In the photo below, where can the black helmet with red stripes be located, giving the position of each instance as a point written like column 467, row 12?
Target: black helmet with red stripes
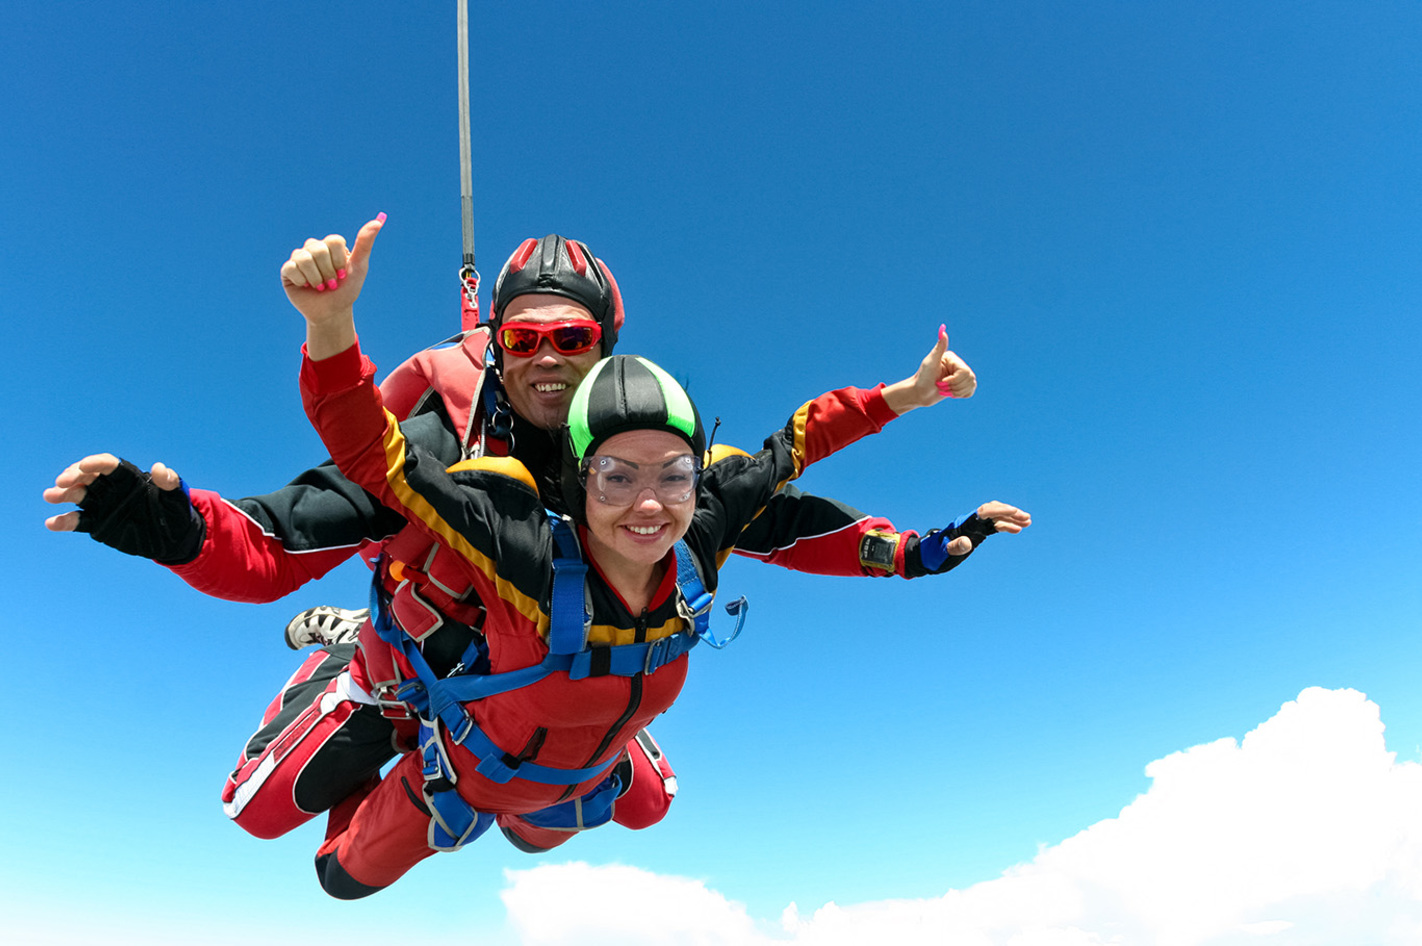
column 560, row 267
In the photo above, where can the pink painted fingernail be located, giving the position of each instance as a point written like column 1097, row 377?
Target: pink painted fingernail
column 319, row 288
column 380, row 216
column 330, row 284
column 945, row 388
column 340, row 274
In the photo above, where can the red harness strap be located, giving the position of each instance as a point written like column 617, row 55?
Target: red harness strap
column 426, row 585
column 454, row 374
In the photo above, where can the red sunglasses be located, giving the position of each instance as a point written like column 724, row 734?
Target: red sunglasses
column 573, row 337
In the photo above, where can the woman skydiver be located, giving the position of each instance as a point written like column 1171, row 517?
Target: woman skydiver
column 526, row 740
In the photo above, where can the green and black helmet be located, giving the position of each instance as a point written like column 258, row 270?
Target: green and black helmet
column 623, row 393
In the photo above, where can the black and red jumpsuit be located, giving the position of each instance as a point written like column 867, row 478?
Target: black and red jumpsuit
column 495, row 523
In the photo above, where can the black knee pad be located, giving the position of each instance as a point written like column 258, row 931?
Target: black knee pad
column 336, row 882
column 521, row 844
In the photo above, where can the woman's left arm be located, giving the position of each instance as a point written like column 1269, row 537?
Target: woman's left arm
column 738, row 487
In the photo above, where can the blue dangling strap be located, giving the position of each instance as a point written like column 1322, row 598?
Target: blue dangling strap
column 696, row 601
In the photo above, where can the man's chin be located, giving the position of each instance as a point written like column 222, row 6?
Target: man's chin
column 548, row 412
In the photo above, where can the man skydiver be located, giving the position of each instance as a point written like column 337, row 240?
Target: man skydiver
column 326, row 736
column 590, row 617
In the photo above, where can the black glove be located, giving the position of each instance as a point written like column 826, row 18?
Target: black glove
column 127, row 511
column 929, row 555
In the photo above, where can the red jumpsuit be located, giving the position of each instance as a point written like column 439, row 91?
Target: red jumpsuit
column 326, row 734
column 495, row 523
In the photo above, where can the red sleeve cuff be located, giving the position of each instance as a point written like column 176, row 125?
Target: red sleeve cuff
column 877, row 409
column 203, row 501
column 340, row 372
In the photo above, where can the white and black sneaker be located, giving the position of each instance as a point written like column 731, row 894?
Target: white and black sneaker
column 325, row 625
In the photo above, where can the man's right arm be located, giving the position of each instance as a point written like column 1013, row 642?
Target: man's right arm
column 255, row 549
column 261, row 548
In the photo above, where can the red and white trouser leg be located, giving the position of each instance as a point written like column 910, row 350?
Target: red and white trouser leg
column 321, row 739
column 376, row 835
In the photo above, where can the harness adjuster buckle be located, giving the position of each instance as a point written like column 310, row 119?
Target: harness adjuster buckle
column 659, row 654
column 701, row 605
column 388, row 701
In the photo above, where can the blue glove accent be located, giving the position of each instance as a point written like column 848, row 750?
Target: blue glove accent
column 933, row 548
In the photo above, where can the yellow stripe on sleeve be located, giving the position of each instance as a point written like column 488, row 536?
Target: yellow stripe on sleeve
column 416, row 506
column 800, row 420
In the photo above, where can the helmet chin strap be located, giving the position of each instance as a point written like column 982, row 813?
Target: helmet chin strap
column 496, row 403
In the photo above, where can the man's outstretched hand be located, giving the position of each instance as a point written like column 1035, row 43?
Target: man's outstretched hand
column 958, row 540
column 144, row 514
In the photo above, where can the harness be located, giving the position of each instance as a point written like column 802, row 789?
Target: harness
column 440, row 702
column 498, row 417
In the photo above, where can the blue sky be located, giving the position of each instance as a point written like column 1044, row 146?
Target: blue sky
column 1178, row 242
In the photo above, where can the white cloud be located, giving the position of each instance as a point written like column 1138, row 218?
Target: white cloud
column 630, row 906
column 1306, row 832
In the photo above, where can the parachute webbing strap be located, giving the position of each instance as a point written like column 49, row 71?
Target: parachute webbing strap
column 568, row 618
column 628, row 660
column 494, row 762
column 453, row 821
column 624, row 660
column 432, row 697
column 694, row 601
column 416, row 692
column 498, row 419
column 589, row 810
column 435, row 699
column 737, row 609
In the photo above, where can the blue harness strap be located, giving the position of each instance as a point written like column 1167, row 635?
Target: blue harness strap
column 694, row 601
column 568, row 617
column 441, row 702
column 453, row 821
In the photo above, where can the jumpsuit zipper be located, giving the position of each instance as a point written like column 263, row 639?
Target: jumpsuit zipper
column 634, row 701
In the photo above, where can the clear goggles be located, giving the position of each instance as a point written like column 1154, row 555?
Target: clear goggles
column 616, row 482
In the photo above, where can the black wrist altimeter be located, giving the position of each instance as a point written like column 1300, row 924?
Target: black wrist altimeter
column 878, row 549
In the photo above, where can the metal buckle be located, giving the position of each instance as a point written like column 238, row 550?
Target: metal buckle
column 390, row 706
column 650, row 664
column 659, row 653
column 686, row 610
